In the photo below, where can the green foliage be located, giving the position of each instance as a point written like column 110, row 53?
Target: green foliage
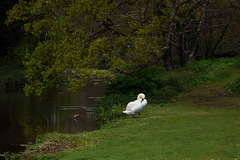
column 17, row 53
column 42, row 77
column 110, row 107
column 160, row 86
column 11, row 75
column 11, row 156
column 233, row 86
column 208, row 70
column 130, row 85
column 76, row 37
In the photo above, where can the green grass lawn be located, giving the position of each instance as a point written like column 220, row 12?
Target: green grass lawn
column 200, row 124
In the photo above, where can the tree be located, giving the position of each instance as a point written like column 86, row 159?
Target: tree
column 197, row 29
column 216, row 19
column 76, row 37
column 226, row 31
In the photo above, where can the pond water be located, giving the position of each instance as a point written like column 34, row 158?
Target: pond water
column 22, row 118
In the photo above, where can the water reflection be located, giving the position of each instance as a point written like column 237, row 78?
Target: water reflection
column 22, row 118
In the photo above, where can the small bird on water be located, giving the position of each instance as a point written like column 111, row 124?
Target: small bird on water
column 136, row 106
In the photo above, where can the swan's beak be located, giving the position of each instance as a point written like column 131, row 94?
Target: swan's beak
column 142, row 100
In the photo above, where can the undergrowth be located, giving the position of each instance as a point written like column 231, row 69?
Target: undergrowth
column 11, row 76
column 233, row 86
column 158, row 85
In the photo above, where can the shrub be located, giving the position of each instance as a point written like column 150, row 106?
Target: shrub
column 143, row 81
column 11, row 75
column 111, row 106
column 11, row 156
column 233, row 86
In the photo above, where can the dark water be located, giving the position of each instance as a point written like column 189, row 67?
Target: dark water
column 22, row 118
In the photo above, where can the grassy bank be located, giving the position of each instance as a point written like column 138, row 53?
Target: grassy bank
column 201, row 123
column 11, row 76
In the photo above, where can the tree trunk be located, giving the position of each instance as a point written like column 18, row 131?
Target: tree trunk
column 168, row 60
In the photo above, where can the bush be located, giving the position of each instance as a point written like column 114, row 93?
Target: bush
column 11, row 76
column 233, row 86
column 111, row 106
column 11, row 156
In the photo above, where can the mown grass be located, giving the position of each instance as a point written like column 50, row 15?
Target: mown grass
column 202, row 123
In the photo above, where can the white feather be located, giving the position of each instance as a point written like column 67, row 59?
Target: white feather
column 136, row 106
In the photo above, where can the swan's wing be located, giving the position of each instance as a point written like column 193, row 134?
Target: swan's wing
column 144, row 102
column 132, row 105
column 140, row 106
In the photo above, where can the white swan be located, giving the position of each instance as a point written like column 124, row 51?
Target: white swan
column 136, row 106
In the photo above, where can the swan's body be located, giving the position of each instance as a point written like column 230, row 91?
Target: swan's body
column 136, row 106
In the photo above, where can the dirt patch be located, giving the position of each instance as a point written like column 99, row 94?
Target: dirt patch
column 45, row 148
column 210, row 96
